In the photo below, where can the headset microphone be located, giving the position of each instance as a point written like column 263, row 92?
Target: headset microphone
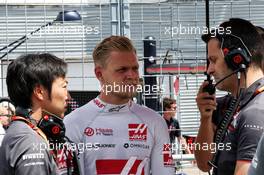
column 210, row 88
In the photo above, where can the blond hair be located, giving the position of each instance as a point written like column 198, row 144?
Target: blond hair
column 113, row 43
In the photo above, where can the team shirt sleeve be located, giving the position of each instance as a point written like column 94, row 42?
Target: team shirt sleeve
column 30, row 156
column 250, row 128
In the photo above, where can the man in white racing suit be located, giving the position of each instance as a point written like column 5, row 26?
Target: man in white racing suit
column 114, row 135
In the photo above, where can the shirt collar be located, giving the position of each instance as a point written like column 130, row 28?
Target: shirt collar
column 111, row 108
column 249, row 93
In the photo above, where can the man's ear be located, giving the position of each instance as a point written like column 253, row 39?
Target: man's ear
column 39, row 92
column 98, row 73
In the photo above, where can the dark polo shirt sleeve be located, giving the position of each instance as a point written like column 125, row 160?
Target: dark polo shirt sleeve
column 250, row 128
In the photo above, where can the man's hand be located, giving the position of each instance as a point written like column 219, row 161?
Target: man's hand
column 206, row 103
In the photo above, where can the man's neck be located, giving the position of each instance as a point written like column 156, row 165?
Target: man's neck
column 166, row 116
column 36, row 114
column 253, row 74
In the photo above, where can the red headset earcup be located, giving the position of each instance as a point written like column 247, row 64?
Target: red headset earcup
column 235, row 58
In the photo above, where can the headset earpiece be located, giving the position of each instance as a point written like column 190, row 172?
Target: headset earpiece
column 235, row 58
column 53, row 127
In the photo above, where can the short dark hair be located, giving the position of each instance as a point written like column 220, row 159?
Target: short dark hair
column 167, row 102
column 248, row 34
column 28, row 71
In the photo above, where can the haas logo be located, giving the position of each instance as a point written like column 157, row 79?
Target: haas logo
column 137, row 132
column 89, row 131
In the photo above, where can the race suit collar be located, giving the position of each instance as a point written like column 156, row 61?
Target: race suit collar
column 110, row 108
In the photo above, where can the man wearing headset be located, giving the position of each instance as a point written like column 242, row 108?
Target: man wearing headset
column 35, row 83
column 236, row 62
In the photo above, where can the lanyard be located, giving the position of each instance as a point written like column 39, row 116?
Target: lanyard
column 258, row 91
